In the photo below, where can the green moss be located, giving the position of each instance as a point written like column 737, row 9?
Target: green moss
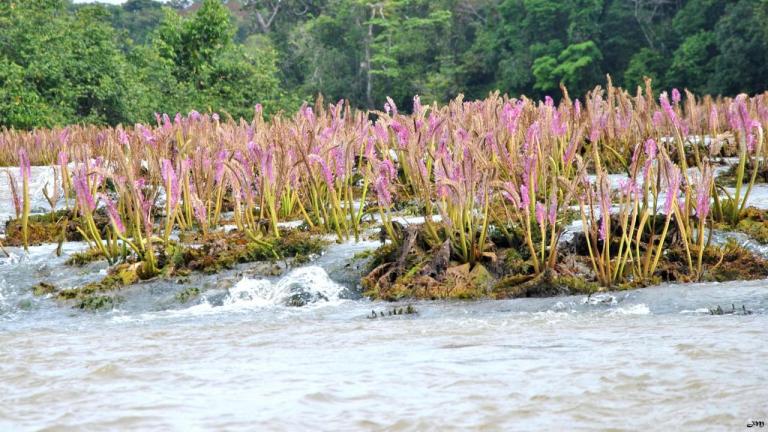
column 187, row 294
column 43, row 288
column 754, row 223
column 120, row 276
column 97, row 302
column 231, row 249
column 514, row 262
column 577, row 284
column 363, row 255
column 546, row 284
column 80, row 259
column 384, row 254
column 50, row 228
column 719, row 264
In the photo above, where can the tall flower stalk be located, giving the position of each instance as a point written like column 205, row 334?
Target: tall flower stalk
column 25, row 169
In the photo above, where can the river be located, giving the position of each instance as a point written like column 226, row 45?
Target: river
column 238, row 358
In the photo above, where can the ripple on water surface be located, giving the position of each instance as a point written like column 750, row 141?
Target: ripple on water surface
column 649, row 359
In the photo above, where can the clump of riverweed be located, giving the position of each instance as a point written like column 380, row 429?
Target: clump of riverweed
column 79, row 259
column 49, row 228
column 412, row 270
column 118, row 277
column 43, row 288
column 496, row 182
column 96, row 302
column 224, row 251
column 754, row 223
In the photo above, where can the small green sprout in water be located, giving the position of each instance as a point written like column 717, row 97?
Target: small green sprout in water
column 408, row 310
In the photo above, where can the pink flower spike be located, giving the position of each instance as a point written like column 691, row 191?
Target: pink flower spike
column 63, row 159
column 83, row 191
column 169, row 177
column 541, row 213
column 327, row 174
column 122, row 137
column 525, row 200
column 703, row 195
column 24, row 165
column 219, row 166
column 604, row 226
column 552, row 211
column 390, row 106
column 650, row 148
column 676, row 96
column 114, row 215
column 510, row 193
column 417, row 105
column 658, row 119
column 673, row 189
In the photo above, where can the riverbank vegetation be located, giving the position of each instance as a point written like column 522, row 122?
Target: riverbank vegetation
column 516, row 197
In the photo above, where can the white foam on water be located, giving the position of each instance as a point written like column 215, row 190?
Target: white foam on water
column 600, row 299
column 638, row 309
column 695, row 311
column 312, row 283
column 3, row 301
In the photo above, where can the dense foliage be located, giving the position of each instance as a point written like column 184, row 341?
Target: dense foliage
column 71, row 63
column 484, row 175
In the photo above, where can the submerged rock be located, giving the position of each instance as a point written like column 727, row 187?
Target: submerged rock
column 719, row 310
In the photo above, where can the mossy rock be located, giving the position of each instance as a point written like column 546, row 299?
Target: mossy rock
column 459, row 282
column 120, row 276
column 547, row 284
column 383, row 254
column 187, row 294
column 79, row 259
column 733, row 262
column 224, row 251
column 43, row 288
column 98, row 302
column 754, row 223
column 719, row 264
column 50, row 228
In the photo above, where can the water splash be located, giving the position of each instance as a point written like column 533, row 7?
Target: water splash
column 300, row 287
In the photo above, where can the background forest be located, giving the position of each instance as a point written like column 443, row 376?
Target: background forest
column 63, row 63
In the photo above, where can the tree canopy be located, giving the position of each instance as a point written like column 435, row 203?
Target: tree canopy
column 71, row 63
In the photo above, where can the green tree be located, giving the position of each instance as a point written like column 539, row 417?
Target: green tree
column 577, row 66
column 691, row 63
column 20, row 105
column 69, row 62
column 742, row 61
column 210, row 69
column 645, row 63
